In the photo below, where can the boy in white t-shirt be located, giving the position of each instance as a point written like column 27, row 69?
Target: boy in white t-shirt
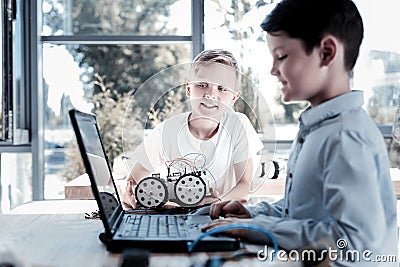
column 214, row 138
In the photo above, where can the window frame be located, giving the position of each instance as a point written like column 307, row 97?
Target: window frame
column 15, row 106
column 8, row 13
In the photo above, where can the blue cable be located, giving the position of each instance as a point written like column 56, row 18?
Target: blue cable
column 224, row 228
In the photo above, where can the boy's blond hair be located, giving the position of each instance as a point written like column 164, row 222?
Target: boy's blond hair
column 219, row 56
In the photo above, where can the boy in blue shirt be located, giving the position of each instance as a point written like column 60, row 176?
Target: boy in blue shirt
column 338, row 183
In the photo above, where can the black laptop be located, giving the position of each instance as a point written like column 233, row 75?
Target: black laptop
column 122, row 229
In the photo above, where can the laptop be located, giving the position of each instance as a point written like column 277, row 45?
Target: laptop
column 125, row 229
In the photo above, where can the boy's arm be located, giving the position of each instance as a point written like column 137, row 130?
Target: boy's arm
column 247, row 144
column 138, row 173
column 270, row 209
column 244, row 172
column 358, row 202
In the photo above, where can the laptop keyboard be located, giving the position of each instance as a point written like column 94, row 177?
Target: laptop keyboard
column 154, row 226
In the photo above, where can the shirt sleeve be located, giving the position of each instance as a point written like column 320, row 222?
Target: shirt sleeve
column 265, row 208
column 149, row 153
column 247, row 142
column 350, row 165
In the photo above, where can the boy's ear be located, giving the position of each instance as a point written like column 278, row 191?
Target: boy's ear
column 235, row 97
column 187, row 89
column 329, row 46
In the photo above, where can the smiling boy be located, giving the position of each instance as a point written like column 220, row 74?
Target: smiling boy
column 338, row 184
column 217, row 140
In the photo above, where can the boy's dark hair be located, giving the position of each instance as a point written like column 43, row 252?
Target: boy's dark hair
column 309, row 20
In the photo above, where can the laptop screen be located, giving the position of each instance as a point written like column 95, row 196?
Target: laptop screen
column 96, row 164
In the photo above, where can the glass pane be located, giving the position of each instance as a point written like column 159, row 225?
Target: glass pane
column 377, row 71
column 145, row 17
column 16, row 180
column 236, row 24
column 97, row 79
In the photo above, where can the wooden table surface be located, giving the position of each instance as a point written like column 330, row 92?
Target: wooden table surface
column 68, row 239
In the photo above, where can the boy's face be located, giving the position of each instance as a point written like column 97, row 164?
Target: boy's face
column 212, row 89
column 301, row 75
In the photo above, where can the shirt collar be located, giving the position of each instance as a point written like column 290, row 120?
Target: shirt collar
column 331, row 108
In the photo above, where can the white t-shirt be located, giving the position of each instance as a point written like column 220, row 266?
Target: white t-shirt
column 235, row 141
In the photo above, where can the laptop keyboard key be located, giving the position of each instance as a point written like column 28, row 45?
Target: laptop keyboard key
column 155, row 226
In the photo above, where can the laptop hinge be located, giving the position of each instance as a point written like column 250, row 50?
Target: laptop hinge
column 117, row 222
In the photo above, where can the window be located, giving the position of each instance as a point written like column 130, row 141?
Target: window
column 85, row 48
column 377, row 73
column 235, row 25
column 107, row 49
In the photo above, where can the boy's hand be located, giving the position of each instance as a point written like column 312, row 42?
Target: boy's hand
column 129, row 195
column 214, row 193
column 229, row 209
column 236, row 232
column 208, row 200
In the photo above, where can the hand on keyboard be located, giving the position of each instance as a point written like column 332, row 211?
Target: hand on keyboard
column 236, row 232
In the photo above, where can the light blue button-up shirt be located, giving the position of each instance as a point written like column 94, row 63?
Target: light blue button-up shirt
column 338, row 183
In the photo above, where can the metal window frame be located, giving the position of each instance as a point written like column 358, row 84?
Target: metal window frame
column 34, row 63
column 15, row 93
column 8, row 10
